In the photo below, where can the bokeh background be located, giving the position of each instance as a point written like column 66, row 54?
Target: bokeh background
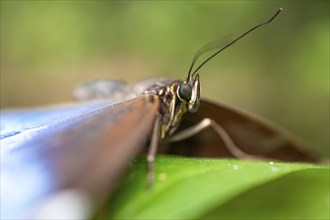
column 280, row 72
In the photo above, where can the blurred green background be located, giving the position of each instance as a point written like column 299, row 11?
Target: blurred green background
column 280, row 72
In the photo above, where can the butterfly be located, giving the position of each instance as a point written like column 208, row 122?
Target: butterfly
column 62, row 157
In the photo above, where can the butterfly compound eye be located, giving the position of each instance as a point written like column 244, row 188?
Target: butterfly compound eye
column 184, row 92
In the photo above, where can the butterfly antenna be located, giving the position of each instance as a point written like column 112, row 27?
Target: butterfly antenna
column 231, row 43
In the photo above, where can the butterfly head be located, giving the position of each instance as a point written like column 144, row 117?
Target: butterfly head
column 177, row 98
column 189, row 92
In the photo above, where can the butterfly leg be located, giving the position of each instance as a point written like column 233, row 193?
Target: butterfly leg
column 152, row 152
column 206, row 123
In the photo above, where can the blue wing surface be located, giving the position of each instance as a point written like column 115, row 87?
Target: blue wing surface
column 17, row 126
column 82, row 146
column 14, row 121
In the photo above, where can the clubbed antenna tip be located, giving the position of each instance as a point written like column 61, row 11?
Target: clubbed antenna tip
column 191, row 74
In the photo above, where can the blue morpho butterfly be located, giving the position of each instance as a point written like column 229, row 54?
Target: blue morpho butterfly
column 65, row 160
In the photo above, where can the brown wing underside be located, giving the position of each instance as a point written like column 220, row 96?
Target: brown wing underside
column 252, row 135
column 115, row 145
column 87, row 153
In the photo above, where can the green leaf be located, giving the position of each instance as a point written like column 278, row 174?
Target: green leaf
column 189, row 188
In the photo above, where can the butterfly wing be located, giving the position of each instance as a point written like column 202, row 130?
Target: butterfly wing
column 84, row 147
column 251, row 134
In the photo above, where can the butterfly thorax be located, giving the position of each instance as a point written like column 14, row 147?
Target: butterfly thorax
column 171, row 108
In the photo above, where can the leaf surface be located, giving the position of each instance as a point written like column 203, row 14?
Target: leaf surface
column 194, row 188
